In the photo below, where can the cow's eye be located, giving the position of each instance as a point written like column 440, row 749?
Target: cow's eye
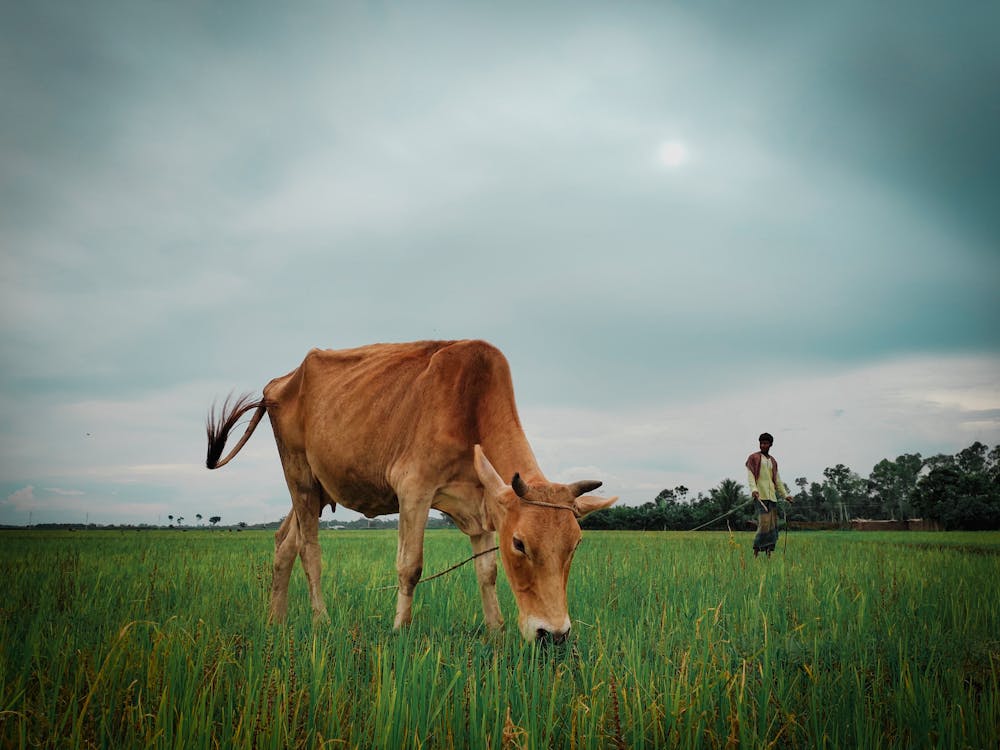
column 519, row 546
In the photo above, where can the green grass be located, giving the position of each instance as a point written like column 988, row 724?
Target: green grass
column 158, row 639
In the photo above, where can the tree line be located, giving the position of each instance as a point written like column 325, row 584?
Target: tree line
column 960, row 492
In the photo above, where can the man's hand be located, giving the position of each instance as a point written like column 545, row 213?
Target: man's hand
column 790, row 499
column 756, row 495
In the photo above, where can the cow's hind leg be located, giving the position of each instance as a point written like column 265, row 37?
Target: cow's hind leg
column 282, row 533
column 307, row 503
column 286, row 547
column 486, row 572
column 414, row 508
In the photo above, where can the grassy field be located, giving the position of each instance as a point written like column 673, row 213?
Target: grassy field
column 843, row 639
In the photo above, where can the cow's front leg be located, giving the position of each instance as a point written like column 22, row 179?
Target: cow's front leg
column 486, row 572
column 409, row 553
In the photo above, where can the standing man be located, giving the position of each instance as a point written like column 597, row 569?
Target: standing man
column 765, row 487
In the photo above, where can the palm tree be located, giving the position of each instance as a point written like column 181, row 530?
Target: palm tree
column 728, row 495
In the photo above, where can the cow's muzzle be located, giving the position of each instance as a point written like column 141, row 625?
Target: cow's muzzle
column 545, row 637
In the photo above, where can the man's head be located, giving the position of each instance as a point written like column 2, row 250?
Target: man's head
column 766, row 441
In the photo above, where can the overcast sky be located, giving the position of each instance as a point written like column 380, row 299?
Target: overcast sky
column 684, row 223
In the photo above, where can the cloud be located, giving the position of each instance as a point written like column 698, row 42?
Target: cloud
column 523, row 180
column 22, row 499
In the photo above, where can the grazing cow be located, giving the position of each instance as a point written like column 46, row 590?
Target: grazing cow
column 403, row 428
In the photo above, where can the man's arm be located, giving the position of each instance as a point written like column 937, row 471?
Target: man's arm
column 780, row 488
column 752, row 483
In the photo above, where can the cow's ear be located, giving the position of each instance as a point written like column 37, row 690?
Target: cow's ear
column 587, row 504
column 487, row 474
column 494, row 489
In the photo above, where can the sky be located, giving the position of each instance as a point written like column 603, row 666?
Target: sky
column 684, row 223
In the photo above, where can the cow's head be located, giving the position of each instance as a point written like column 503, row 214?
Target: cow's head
column 537, row 532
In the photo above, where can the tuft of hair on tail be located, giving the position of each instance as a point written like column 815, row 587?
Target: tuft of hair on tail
column 218, row 427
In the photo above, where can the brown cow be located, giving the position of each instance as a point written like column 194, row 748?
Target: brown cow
column 403, row 428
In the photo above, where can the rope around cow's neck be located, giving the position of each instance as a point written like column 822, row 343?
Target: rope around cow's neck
column 551, row 505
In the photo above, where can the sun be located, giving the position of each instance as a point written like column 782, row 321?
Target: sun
column 673, row 154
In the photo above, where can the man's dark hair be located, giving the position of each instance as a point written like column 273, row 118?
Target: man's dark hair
column 766, row 436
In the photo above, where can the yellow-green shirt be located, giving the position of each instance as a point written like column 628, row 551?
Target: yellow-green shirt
column 767, row 487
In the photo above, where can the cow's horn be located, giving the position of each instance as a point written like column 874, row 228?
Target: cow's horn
column 520, row 488
column 586, row 485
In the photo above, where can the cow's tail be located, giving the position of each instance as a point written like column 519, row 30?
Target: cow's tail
column 218, row 427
